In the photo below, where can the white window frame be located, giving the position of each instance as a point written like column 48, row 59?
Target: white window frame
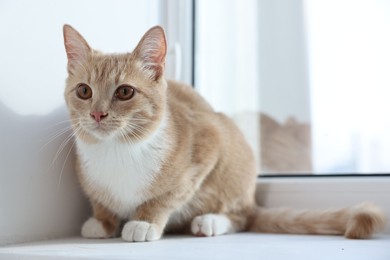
column 177, row 18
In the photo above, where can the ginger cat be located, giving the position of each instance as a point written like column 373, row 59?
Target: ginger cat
column 154, row 157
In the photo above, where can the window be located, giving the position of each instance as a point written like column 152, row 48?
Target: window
column 309, row 92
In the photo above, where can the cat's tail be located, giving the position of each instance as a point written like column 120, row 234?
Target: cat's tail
column 360, row 221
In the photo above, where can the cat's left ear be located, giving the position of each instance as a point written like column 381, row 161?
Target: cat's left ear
column 151, row 51
column 77, row 48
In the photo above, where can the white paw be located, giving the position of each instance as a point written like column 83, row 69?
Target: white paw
column 211, row 225
column 140, row 231
column 93, row 228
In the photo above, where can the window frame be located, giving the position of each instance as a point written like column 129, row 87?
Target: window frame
column 177, row 17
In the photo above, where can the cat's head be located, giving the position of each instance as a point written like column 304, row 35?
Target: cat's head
column 119, row 96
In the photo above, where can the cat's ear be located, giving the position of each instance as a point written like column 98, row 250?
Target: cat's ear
column 77, row 48
column 151, row 51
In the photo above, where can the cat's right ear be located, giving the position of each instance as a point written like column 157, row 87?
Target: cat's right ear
column 77, row 48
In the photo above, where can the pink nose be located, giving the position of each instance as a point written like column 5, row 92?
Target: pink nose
column 98, row 116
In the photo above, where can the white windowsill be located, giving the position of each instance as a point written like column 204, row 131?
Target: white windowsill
column 237, row 246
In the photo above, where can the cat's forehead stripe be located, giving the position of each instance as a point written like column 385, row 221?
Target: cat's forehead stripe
column 109, row 68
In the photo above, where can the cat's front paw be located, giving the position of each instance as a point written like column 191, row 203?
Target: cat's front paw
column 140, row 231
column 211, row 225
column 93, row 228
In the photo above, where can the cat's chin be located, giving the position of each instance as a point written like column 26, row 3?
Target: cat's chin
column 102, row 134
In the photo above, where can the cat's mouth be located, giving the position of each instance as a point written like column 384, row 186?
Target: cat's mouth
column 108, row 129
column 101, row 130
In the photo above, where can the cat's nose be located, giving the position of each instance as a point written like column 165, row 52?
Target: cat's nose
column 98, row 116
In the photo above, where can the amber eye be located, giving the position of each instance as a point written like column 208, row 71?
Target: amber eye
column 124, row 92
column 84, row 91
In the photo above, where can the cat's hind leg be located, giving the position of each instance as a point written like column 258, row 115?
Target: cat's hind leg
column 212, row 225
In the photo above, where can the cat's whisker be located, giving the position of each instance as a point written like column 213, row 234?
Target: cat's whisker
column 58, row 124
column 135, row 136
column 132, row 120
column 54, row 137
column 67, row 121
column 140, row 129
column 132, row 129
column 59, row 131
column 53, row 134
column 62, row 147
column 67, row 155
column 68, row 126
column 140, row 120
column 131, row 124
column 126, row 137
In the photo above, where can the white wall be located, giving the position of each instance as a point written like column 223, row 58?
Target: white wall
column 31, row 47
column 39, row 200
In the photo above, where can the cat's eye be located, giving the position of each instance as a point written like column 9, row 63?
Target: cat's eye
column 84, row 91
column 124, row 92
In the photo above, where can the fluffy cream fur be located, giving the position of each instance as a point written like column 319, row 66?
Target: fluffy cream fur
column 163, row 160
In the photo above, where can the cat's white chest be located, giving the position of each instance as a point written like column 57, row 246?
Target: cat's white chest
column 121, row 170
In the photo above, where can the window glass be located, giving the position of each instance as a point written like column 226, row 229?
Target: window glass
column 306, row 81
